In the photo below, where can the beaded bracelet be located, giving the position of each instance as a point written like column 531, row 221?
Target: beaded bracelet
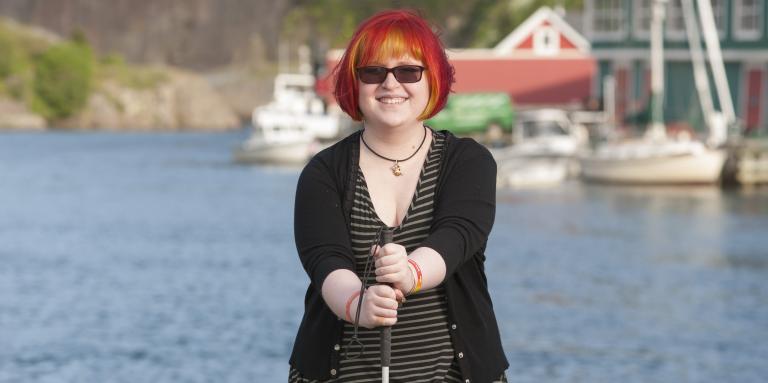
column 418, row 276
column 349, row 303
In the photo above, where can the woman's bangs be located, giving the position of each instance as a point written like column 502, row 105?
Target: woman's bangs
column 388, row 45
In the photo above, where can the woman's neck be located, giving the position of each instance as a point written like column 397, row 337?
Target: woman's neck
column 395, row 141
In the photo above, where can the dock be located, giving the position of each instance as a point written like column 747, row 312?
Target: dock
column 749, row 161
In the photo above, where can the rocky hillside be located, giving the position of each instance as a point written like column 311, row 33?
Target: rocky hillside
column 192, row 34
column 181, row 101
column 234, row 43
column 48, row 81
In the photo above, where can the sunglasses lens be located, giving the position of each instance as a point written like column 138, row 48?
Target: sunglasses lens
column 376, row 75
column 407, row 73
column 372, row 74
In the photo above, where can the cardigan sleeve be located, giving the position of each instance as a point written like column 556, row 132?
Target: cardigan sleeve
column 465, row 207
column 320, row 229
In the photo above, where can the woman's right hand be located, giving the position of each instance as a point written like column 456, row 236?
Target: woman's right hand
column 379, row 307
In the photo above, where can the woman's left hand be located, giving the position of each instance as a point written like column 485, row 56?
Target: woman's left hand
column 392, row 267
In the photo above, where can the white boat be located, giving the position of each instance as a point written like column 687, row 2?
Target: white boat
column 291, row 128
column 544, row 151
column 647, row 162
column 533, row 172
column 277, row 146
column 656, row 158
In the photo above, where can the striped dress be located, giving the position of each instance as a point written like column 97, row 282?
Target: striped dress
column 422, row 350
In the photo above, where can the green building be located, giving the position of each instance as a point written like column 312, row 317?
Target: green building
column 619, row 31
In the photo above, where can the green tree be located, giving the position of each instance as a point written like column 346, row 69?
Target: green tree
column 63, row 76
column 326, row 24
column 493, row 20
column 10, row 54
column 331, row 22
column 12, row 62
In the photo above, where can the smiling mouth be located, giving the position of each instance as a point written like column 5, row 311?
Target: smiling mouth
column 392, row 100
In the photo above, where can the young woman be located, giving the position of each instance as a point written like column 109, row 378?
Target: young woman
column 436, row 191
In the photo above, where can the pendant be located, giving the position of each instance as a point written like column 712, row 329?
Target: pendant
column 396, row 169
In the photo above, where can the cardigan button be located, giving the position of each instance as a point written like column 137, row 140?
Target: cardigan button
column 336, row 347
column 466, row 381
column 461, row 355
column 453, row 326
column 333, row 372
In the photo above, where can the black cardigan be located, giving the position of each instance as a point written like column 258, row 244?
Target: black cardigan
column 465, row 204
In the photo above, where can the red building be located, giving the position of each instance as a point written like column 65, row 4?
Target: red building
column 544, row 62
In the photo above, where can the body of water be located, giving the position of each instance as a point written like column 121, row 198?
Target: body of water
column 151, row 257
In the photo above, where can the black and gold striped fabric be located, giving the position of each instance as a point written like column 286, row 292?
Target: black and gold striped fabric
column 421, row 344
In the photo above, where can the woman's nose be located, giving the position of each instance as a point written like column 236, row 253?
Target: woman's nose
column 390, row 81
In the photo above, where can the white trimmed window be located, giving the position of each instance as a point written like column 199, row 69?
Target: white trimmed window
column 718, row 11
column 747, row 19
column 607, row 19
column 674, row 23
column 642, row 15
column 546, row 41
column 643, row 11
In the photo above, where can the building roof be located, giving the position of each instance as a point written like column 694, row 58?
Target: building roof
column 544, row 17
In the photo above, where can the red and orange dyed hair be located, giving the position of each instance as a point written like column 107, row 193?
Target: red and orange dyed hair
column 394, row 34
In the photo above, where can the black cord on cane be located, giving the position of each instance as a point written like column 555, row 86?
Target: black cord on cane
column 366, row 273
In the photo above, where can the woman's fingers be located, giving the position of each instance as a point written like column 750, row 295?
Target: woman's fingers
column 396, row 279
column 387, row 250
column 399, row 296
column 384, row 313
column 385, row 307
column 381, row 294
column 394, row 269
column 392, row 265
column 379, row 307
column 381, row 322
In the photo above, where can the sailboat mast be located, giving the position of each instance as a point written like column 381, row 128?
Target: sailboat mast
column 699, row 65
column 718, row 69
column 656, row 129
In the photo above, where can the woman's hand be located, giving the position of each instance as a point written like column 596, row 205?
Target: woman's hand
column 379, row 307
column 392, row 267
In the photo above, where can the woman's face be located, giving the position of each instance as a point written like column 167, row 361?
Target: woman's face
column 390, row 103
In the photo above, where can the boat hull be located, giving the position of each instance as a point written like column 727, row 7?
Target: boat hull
column 703, row 167
column 297, row 153
column 533, row 172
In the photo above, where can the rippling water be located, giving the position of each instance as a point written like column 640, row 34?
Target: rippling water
column 129, row 257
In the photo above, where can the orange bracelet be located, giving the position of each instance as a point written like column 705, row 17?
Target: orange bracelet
column 417, row 284
column 349, row 303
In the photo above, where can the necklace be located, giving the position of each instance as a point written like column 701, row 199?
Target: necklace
column 396, row 167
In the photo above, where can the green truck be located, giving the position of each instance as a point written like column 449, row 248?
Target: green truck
column 489, row 114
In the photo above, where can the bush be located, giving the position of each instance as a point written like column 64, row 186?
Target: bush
column 63, row 76
column 13, row 63
column 114, row 67
column 10, row 59
column 16, row 67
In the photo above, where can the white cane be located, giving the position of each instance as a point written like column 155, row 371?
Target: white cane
column 386, row 331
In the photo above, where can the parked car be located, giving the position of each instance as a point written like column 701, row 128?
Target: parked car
column 548, row 132
column 489, row 114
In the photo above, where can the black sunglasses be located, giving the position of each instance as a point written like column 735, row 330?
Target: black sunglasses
column 404, row 74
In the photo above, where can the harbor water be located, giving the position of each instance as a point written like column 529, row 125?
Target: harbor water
column 151, row 257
